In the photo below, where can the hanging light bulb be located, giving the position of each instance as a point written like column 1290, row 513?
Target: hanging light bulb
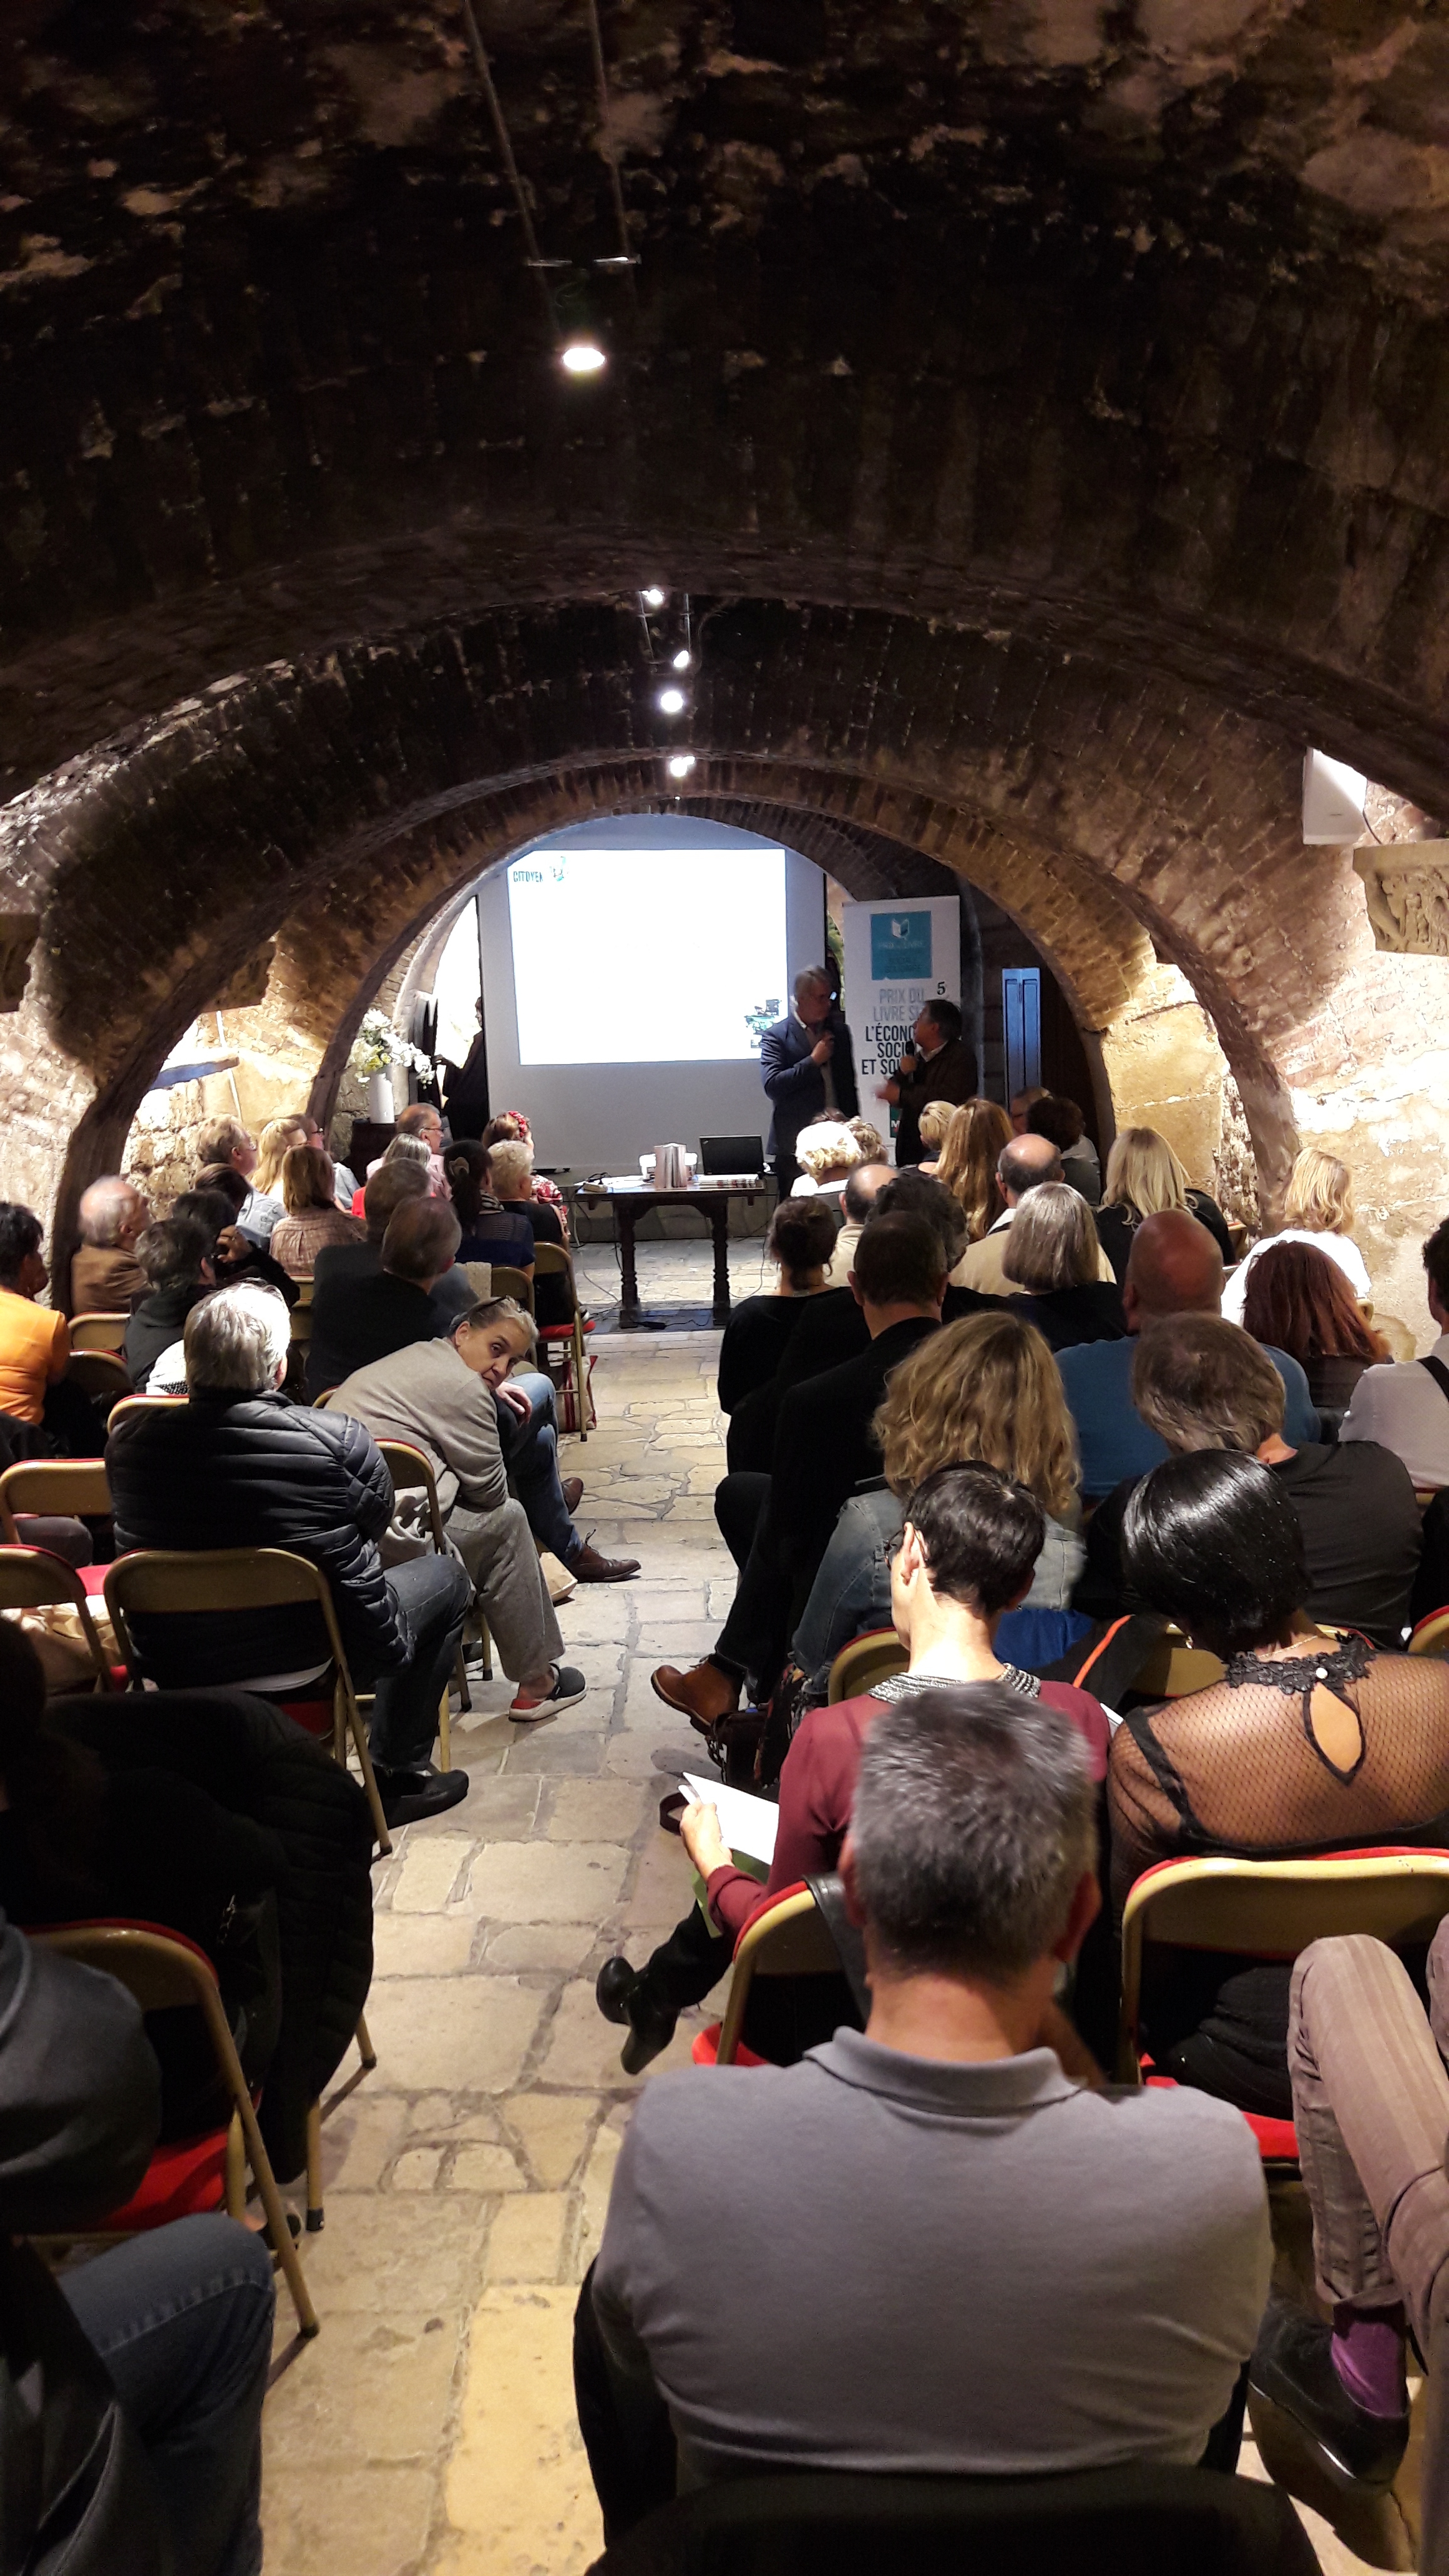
column 684, row 659
column 681, row 764
column 653, row 597
column 582, row 358
column 670, row 702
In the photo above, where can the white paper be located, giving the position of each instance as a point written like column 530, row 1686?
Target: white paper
column 747, row 1824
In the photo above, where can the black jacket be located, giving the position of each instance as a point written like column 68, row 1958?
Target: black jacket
column 795, row 1086
column 950, row 1075
column 360, row 1313
column 255, row 1471
column 155, row 1324
column 825, row 1446
column 1066, row 1316
column 1116, row 1227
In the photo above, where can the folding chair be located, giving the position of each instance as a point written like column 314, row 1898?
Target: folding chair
column 301, row 1320
column 550, row 1261
column 512, row 1283
column 163, row 1582
column 32, row 1579
column 70, row 1488
column 411, row 1471
column 1431, row 1637
column 130, row 1404
column 98, row 1332
column 789, row 1937
column 1258, row 1909
column 1172, row 1669
column 479, row 1275
column 864, row 1662
column 99, row 1374
column 164, row 1972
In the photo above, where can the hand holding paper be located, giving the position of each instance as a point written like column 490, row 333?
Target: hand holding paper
column 700, row 1834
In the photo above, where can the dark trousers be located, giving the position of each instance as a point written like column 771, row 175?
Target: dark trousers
column 625, row 2424
column 182, row 2319
column 739, row 1505
column 787, row 1173
column 756, row 1635
column 435, row 1593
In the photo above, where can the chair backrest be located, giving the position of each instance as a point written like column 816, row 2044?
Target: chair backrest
column 409, row 1470
column 790, row 1938
column 1431, row 1637
column 301, row 1320
column 167, row 1581
column 163, row 1970
column 1273, row 1909
column 32, row 1579
column 479, row 1275
column 1173, row 1669
column 98, row 1332
column 864, row 1662
column 550, row 1261
column 508, row 1282
column 74, row 1487
column 130, row 1404
column 99, row 1373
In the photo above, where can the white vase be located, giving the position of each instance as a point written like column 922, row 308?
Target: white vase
column 379, row 1099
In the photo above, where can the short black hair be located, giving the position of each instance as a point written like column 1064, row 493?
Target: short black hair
column 172, row 1251
column 914, row 1193
column 209, row 1208
column 981, row 1534
column 1213, row 1541
column 898, row 1261
column 1058, row 1119
column 945, row 1016
column 227, row 1180
column 1436, row 1261
column 21, row 1233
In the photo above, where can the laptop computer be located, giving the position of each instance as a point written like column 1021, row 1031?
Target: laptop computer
column 722, row 1154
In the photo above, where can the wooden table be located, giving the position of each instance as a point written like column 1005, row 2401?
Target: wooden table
column 632, row 1199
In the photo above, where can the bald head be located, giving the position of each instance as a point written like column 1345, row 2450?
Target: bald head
column 863, row 1188
column 1174, row 1268
column 1025, row 1163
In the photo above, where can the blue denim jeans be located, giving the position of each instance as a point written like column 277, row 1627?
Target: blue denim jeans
column 182, row 2319
column 530, row 1454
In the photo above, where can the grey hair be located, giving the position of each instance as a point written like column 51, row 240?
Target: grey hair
column 102, row 1211
column 1051, row 1241
column 820, row 975
column 973, row 1823
column 237, row 1338
column 498, row 1310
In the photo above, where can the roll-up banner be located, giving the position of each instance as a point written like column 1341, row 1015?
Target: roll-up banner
column 897, row 956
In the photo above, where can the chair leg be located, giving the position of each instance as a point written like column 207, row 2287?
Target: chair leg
column 276, row 2217
column 445, row 1730
column 486, row 1642
column 581, row 1377
column 365, row 2047
column 236, row 2171
column 314, row 2169
column 359, row 1738
column 460, row 1674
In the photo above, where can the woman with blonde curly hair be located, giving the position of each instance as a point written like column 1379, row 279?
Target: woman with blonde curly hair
column 988, row 1389
column 1144, row 1176
column 1318, row 1210
column 977, row 1133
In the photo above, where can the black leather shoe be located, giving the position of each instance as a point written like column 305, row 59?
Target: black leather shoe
column 408, row 1796
column 613, row 1986
column 651, row 2028
column 1292, row 2367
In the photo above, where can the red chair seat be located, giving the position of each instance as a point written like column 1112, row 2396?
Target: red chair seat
column 182, row 2180
column 313, row 1715
column 705, row 2051
column 561, row 1332
column 93, row 1580
column 1277, row 2139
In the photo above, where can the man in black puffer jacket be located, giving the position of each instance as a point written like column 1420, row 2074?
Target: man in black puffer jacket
column 238, row 1466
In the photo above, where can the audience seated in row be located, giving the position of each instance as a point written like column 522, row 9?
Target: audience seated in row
column 511, row 1127
column 1405, row 1406
column 331, row 1353
column 183, row 1257
column 510, row 1174
column 105, row 1276
column 974, row 1142
column 1318, row 1209
column 420, row 1124
column 800, row 1242
column 1145, row 1177
column 313, row 1218
column 1300, row 1302
column 862, row 1188
column 490, row 1232
column 34, row 1339
column 1051, row 1266
column 1061, row 1122
column 1022, row 1166
column 827, row 1153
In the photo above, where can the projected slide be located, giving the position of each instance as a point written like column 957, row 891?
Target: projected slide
column 647, row 956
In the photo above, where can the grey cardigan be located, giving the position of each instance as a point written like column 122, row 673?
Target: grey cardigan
column 427, row 1395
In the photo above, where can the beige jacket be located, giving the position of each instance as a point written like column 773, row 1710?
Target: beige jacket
column 980, row 1267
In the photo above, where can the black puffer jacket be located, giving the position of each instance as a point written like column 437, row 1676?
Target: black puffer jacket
column 229, row 1470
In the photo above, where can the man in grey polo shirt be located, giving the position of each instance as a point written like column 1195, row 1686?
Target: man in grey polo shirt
column 928, row 2247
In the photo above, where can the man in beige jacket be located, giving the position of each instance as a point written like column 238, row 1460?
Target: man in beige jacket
column 1021, row 1166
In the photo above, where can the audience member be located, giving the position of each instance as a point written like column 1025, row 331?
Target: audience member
column 800, row 1242
column 862, row 1188
column 827, row 1329
column 491, row 1232
column 361, row 1319
column 175, row 1256
column 419, row 1124
column 511, row 1127
column 1307, row 1744
column 1202, row 1383
column 1174, row 1268
column 1299, row 1301
column 510, row 1170
column 404, row 1148
column 1024, row 1165
column 131, row 2389
column 34, row 1339
column 268, row 1203
column 1117, row 2249
column 344, row 1182
column 986, row 1389
column 105, row 1276
column 234, row 1256
column 1062, row 1123
column 340, row 1263
column 1051, row 1256
column 977, row 1137
column 313, row 1218
column 227, row 1141
column 1021, row 1105
column 868, row 1138
column 1319, row 1210
column 237, row 1466
column 913, row 1192
column 827, row 1154
column 778, row 1527
column 450, row 1399
column 1144, row 1176
column 1404, row 1406
column 935, row 1120
column 807, row 1067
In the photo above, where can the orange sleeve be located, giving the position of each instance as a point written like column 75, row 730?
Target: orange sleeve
column 59, row 1350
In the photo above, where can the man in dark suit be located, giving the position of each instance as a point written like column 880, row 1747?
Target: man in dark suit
column 938, row 1066
column 807, row 1065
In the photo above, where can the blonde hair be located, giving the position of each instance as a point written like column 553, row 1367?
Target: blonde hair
column 510, row 1166
column 868, row 1138
column 1144, row 1175
column 1051, row 1241
column 975, row 1139
column 934, row 1120
column 276, row 1139
column 1320, row 1194
column 307, row 1179
column 827, row 1150
column 988, row 1389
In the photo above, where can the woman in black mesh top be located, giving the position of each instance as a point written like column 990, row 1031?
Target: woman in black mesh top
column 1308, row 1744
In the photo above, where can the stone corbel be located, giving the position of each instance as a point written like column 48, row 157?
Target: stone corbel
column 18, row 934
column 1406, row 886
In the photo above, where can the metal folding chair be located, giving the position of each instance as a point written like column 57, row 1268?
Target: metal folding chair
column 97, row 1331
column 864, row 1662
column 71, row 1488
column 550, row 1261
column 32, row 1579
column 789, row 1939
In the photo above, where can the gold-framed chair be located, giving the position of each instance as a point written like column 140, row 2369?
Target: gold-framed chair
column 1431, row 1637
column 32, row 1579
column 99, row 1374
column 130, row 1404
column 165, row 1972
column 551, row 1261
column 411, row 1470
column 790, row 1938
column 300, row 1320
column 1173, row 1669
column 98, row 1331
column 70, row 1488
column 508, row 1282
column 864, row 1662
column 165, row 1582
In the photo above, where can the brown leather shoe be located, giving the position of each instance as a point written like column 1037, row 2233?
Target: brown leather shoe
column 703, row 1694
column 573, row 1494
column 589, row 1567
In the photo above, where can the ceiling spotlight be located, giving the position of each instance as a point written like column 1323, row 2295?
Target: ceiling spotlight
column 681, row 765
column 582, row 358
column 670, row 702
column 683, row 660
column 653, row 597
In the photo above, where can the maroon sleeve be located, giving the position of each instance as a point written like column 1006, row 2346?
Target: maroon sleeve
column 1089, row 1715
column 817, row 1785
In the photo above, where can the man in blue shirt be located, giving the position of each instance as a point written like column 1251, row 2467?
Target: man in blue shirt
column 1174, row 1268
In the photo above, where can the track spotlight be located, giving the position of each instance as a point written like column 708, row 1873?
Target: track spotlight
column 582, row 358
column 681, row 765
column 670, row 702
column 653, row 597
column 683, row 660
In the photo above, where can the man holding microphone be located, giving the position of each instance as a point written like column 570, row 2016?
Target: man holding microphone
column 938, row 1065
column 807, row 1065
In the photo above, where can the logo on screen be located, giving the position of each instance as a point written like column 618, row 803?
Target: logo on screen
column 900, row 946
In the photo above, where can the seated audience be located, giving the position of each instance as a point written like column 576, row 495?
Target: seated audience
column 34, row 1339
column 827, row 1154
column 985, row 1389
column 1201, row 1383
column 1061, row 1121
column 135, row 2445
column 935, row 1124
column 491, row 1232
column 964, row 1555
column 1144, row 1176
column 938, row 1067
column 404, row 1148
column 105, row 1276
column 800, row 1242
column 510, row 1173
column 175, row 1256
column 313, row 1217
column 234, row 1256
column 364, row 1319
column 513, row 1127
column 777, row 1527
column 1117, row 2248
column 420, row 1124
column 1174, row 1268
column 1021, row 1105
column 1050, row 1259
column 226, row 1141
column 976, row 1138
column 340, row 1266
column 862, row 1188
column 237, row 1466
column 868, row 1138
column 344, row 1182
column 1299, row 1301
column 1318, row 1210
column 268, row 1200
column 450, row 1399
column 1022, row 1166
column 1404, row 1405
column 913, row 1192
column 1307, row 1744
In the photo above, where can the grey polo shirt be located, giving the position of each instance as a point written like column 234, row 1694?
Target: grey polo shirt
column 879, row 2262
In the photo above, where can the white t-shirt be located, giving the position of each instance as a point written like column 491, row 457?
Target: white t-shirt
column 1404, row 1409
column 1338, row 1247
